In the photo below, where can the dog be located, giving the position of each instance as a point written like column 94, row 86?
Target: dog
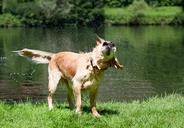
column 78, row 71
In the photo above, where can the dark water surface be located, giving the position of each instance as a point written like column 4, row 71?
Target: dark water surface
column 153, row 58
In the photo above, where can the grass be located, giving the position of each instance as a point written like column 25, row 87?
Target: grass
column 157, row 112
column 148, row 15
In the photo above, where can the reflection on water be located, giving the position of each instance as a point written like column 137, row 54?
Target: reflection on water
column 153, row 58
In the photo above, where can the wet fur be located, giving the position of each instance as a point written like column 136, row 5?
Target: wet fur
column 79, row 71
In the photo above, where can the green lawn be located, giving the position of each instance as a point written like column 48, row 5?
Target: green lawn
column 157, row 15
column 165, row 112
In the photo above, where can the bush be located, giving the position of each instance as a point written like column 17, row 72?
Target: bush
column 137, row 8
column 138, row 5
column 179, row 19
column 8, row 20
column 29, row 13
column 114, row 3
column 87, row 13
column 39, row 12
column 9, row 6
column 117, row 3
column 54, row 12
column 137, row 18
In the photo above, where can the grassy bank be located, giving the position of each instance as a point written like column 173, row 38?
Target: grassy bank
column 144, row 15
column 135, row 14
column 132, row 15
column 154, row 113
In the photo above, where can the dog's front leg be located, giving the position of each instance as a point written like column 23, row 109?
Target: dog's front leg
column 93, row 95
column 70, row 96
column 77, row 95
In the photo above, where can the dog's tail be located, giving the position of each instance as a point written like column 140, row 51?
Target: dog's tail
column 37, row 56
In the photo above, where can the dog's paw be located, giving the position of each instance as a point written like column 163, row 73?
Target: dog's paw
column 78, row 111
column 96, row 114
column 50, row 108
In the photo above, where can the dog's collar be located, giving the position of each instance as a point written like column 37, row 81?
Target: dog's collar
column 95, row 66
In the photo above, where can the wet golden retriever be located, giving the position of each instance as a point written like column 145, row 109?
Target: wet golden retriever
column 79, row 71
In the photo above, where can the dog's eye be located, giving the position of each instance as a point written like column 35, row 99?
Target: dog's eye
column 105, row 44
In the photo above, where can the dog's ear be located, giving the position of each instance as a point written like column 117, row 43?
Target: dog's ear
column 115, row 63
column 99, row 40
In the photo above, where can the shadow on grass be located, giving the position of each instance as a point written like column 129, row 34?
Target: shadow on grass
column 86, row 109
column 108, row 112
column 103, row 111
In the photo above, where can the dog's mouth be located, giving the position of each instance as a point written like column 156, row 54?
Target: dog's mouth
column 108, row 51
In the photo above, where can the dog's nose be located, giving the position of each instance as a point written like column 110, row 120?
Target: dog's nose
column 111, row 45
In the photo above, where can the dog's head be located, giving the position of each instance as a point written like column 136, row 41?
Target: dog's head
column 106, row 52
column 107, row 48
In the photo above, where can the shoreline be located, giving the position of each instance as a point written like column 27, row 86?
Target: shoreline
column 165, row 15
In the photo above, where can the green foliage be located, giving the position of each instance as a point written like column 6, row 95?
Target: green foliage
column 8, row 20
column 9, row 6
column 137, row 8
column 138, row 5
column 38, row 12
column 29, row 13
column 179, row 19
column 90, row 12
column 87, row 12
column 164, row 2
column 54, row 11
column 117, row 3
column 114, row 3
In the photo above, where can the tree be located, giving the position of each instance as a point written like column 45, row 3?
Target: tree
column 54, row 10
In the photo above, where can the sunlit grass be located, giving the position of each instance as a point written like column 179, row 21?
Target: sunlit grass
column 150, row 15
column 157, row 112
column 163, row 11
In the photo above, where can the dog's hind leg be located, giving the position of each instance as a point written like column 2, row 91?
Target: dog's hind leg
column 54, row 77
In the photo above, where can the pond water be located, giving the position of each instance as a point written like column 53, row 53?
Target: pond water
column 153, row 59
